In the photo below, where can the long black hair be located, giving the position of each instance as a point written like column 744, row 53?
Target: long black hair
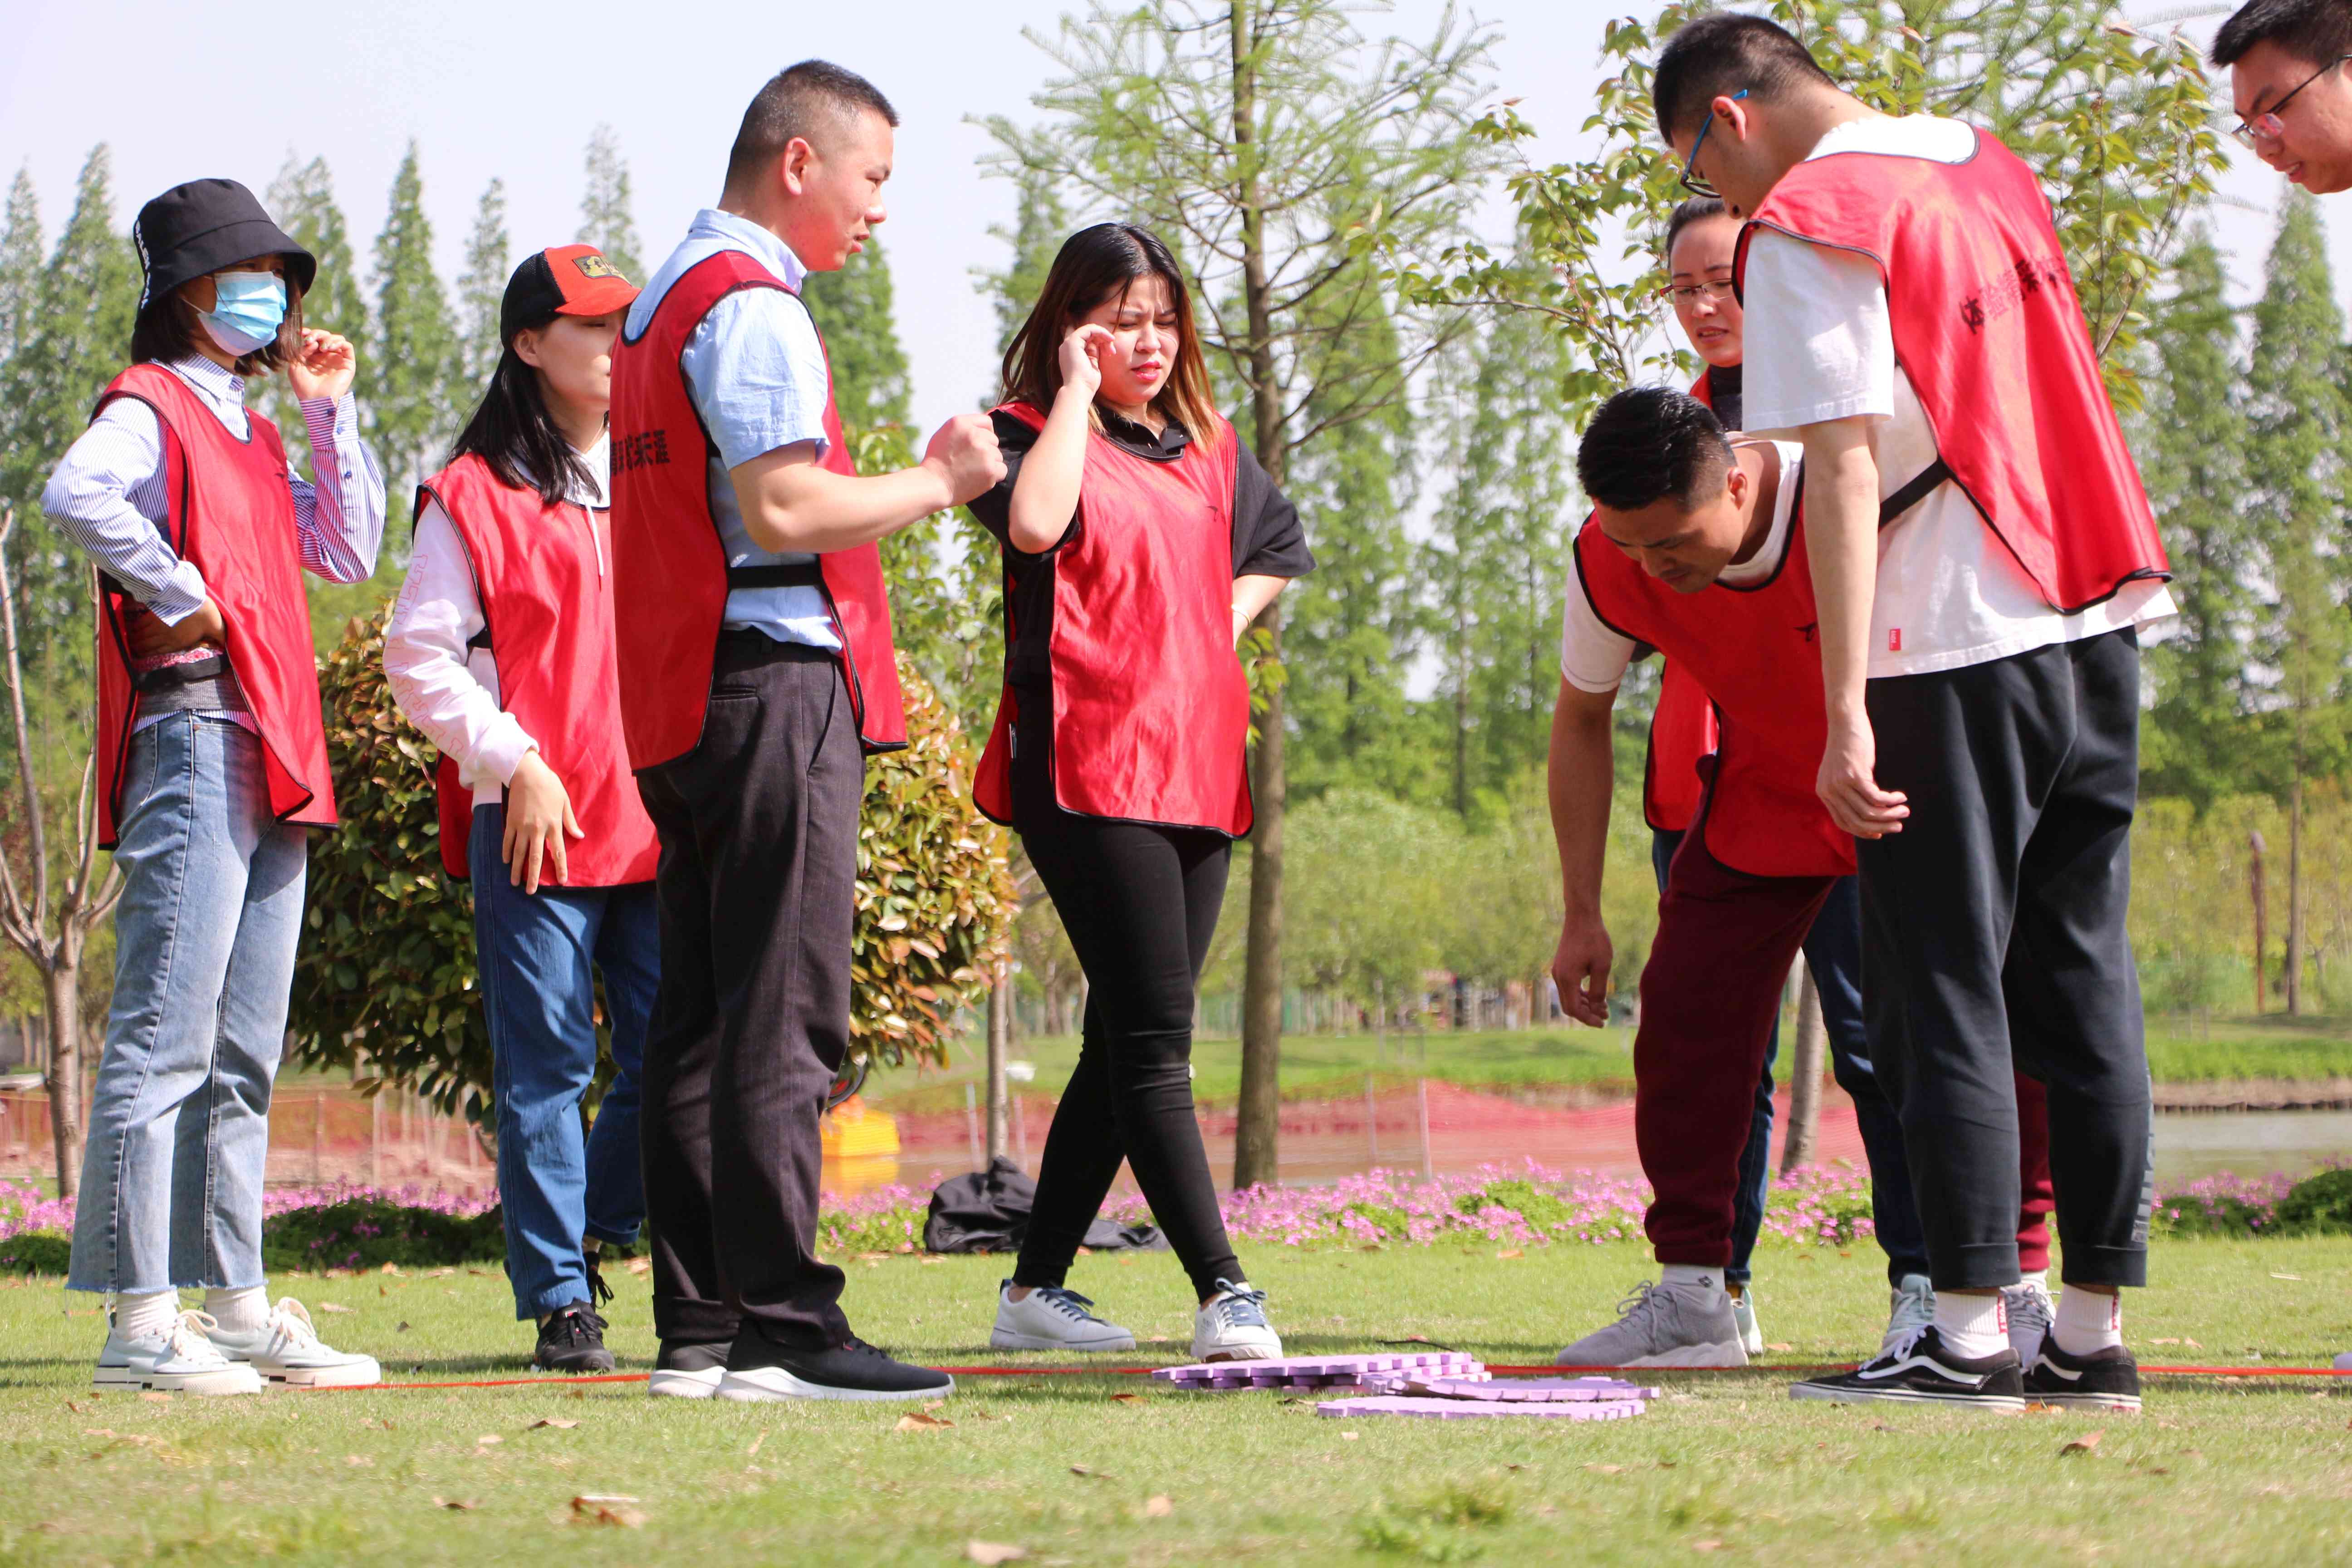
column 515, row 435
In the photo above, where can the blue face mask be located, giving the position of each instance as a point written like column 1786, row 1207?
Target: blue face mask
column 247, row 312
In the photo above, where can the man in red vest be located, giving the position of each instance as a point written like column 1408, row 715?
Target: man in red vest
column 1983, row 556
column 2291, row 82
column 753, row 650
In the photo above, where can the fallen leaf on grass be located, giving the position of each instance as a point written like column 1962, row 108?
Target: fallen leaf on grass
column 641, row 1266
column 1604, row 1469
column 2088, row 1443
column 1347, row 1437
column 441, row 1274
column 2296, row 1277
column 486, row 1438
column 1511, row 1252
column 560, row 1423
column 613, row 1510
column 332, row 1307
column 392, row 1269
column 400, row 1328
column 1707, row 1546
column 2164, row 1342
column 989, row 1553
column 455, row 1505
column 1157, row 1506
column 1780, row 1347
column 753, row 1451
column 81, row 1409
column 358, row 1461
column 1127, row 1398
column 153, row 1397
column 1093, row 1473
column 919, row 1422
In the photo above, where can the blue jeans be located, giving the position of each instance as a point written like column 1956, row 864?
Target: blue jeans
column 540, row 954
column 205, row 940
column 1834, row 954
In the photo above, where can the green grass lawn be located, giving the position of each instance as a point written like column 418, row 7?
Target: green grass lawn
column 1315, row 1065
column 2214, row 1473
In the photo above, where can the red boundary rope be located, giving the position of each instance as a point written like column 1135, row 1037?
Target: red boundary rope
column 1511, row 1371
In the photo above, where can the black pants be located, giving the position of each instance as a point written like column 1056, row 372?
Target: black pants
column 759, row 864
column 1139, row 904
column 1993, row 934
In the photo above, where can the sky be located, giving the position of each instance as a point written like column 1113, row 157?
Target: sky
column 487, row 89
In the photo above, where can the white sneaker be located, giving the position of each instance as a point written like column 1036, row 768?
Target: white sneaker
column 1051, row 1319
column 1233, row 1327
column 1664, row 1325
column 286, row 1349
column 181, row 1361
column 2030, row 1313
column 688, row 1369
column 1912, row 1307
column 1743, row 1313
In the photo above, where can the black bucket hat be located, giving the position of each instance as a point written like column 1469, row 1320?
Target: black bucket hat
column 207, row 225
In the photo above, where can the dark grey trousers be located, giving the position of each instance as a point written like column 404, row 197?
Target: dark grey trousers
column 1993, row 932
column 758, row 865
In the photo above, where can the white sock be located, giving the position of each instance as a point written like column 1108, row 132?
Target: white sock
column 242, row 1311
column 147, row 1316
column 2087, row 1321
column 1972, row 1327
column 2039, row 1277
column 1693, row 1278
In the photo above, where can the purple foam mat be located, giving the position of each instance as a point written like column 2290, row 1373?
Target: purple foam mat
column 1460, row 1409
column 1323, row 1372
column 1523, row 1390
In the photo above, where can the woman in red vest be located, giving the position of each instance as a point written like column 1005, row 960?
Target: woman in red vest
column 500, row 651
column 212, row 769
column 1139, row 537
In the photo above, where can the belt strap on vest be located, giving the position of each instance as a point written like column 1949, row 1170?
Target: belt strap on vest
column 1912, row 494
column 798, row 574
column 189, row 674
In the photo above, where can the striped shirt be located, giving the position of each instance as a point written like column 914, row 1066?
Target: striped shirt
column 108, row 496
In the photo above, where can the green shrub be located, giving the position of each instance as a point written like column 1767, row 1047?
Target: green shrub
column 368, row 1232
column 386, row 973
column 36, row 1252
column 2319, row 1204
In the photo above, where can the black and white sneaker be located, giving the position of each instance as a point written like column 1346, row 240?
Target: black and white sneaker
column 687, row 1369
column 2105, row 1380
column 572, row 1341
column 759, row 1369
column 1919, row 1370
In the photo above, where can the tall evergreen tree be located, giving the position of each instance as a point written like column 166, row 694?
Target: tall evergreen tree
column 479, row 288
column 854, row 310
column 302, row 199
column 607, row 218
column 415, row 343
column 2295, row 470
column 2193, row 450
column 20, row 264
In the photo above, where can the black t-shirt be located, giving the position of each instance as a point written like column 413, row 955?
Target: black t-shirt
column 1267, row 538
column 1723, row 392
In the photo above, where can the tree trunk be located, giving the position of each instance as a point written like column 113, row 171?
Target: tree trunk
column 1805, row 1076
column 2262, row 921
column 999, row 1041
column 1256, row 1136
column 62, row 996
column 2295, row 898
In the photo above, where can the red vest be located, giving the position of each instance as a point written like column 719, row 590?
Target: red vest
column 547, row 601
column 1988, row 327
column 230, row 512
column 1754, row 651
column 669, row 570
column 1682, row 730
column 1150, row 706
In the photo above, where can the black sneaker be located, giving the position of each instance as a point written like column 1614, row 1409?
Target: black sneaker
column 760, row 1369
column 572, row 1341
column 688, row 1369
column 1920, row 1370
column 2105, row 1379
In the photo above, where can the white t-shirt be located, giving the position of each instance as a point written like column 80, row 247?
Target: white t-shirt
column 1820, row 346
column 1593, row 659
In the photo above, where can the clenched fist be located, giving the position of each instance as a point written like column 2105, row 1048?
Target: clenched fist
column 963, row 452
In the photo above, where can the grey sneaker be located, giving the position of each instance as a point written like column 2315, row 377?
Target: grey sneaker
column 1912, row 1308
column 1663, row 1326
column 1053, row 1319
column 1232, row 1326
column 2030, row 1313
column 1743, row 1314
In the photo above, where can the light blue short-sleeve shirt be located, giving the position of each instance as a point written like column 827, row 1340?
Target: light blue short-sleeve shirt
column 756, row 371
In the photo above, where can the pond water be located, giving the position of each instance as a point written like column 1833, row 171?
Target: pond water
column 2190, row 1144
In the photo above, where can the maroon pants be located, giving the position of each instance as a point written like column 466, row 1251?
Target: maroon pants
column 1710, row 994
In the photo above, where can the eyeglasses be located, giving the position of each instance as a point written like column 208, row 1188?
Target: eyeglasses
column 1691, row 180
column 2264, row 127
column 1685, row 295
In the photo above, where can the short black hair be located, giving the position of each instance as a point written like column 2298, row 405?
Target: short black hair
column 1693, row 209
column 2317, row 31
column 806, row 100
column 1718, row 55
column 1649, row 444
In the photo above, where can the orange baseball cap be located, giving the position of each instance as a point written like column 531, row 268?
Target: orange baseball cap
column 566, row 280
